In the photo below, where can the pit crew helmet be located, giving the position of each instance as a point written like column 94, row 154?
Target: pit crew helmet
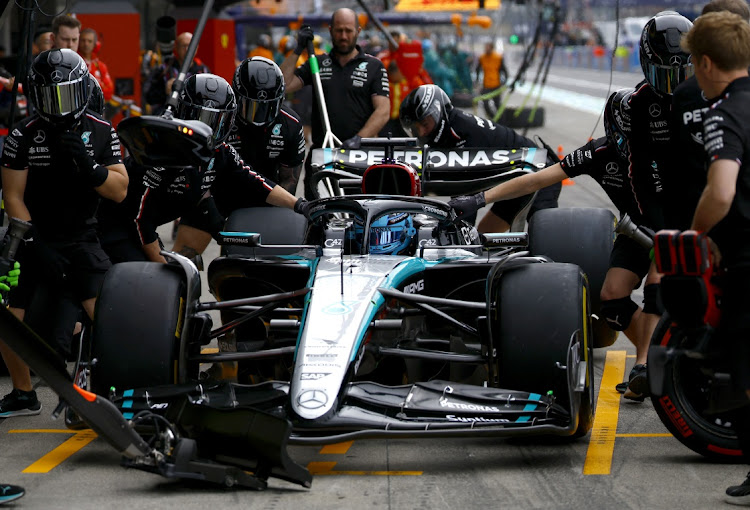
column 617, row 121
column 259, row 85
column 209, row 99
column 58, row 85
column 391, row 234
column 665, row 64
column 96, row 97
column 423, row 102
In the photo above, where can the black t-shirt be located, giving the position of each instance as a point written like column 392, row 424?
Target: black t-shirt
column 685, row 177
column 726, row 135
column 467, row 130
column 600, row 160
column 348, row 93
column 266, row 148
column 650, row 144
column 158, row 195
column 61, row 203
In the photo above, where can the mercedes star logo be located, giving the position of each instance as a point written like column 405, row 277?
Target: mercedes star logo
column 262, row 94
column 675, row 61
column 611, row 168
column 654, row 110
column 57, row 76
column 312, row 399
column 327, row 62
column 40, row 136
column 209, row 104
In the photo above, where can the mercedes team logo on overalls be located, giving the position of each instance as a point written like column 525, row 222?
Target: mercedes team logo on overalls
column 611, row 168
column 262, row 94
column 57, row 76
column 40, row 137
column 675, row 61
column 654, row 110
column 312, row 399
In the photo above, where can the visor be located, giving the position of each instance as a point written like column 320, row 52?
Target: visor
column 61, row 99
column 258, row 112
column 220, row 121
column 665, row 78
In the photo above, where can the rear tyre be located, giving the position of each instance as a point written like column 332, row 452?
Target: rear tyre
column 528, row 348
column 684, row 399
column 137, row 327
column 582, row 236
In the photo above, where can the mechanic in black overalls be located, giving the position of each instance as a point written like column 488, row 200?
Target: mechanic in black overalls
column 268, row 135
column 56, row 166
column 158, row 195
column 720, row 47
column 686, row 176
column 355, row 87
column 427, row 114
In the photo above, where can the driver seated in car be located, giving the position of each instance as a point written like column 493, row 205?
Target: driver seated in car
column 390, row 234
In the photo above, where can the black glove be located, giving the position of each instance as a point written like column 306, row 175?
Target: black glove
column 302, row 207
column 304, row 36
column 71, row 145
column 49, row 262
column 355, row 142
column 467, row 205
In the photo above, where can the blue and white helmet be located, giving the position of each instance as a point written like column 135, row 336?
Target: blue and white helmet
column 390, row 234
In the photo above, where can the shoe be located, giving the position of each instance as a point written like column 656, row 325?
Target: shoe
column 73, row 421
column 739, row 494
column 20, row 403
column 10, row 493
column 638, row 384
column 623, row 386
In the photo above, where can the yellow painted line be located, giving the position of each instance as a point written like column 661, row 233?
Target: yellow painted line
column 62, row 452
column 338, row 448
column 41, row 431
column 602, row 442
column 666, row 434
column 326, row 468
column 631, row 356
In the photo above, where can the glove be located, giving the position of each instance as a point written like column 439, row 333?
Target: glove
column 467, row 205
column 304, row 36
column 71, row 145
column 11, row 279
column 355, row 142
column 302, row 206
column 48, row 261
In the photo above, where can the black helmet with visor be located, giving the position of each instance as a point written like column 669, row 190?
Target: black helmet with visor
column 58, row 84
column 259, row 84
column 665, row 64
column 424, row 114
column 209, row 99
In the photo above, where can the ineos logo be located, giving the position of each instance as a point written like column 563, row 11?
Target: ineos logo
column 611, row 168
column 312, row 399
column 675, row 61
column 654, row 110
column 40, row 137
column 56, row 76
column 262, row 94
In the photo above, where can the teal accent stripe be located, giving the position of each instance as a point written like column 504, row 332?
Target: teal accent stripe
column 529, row 407
column 128, row 416
column 127, row 393
column 530, row 155
column 127, row 404
column 313, row 269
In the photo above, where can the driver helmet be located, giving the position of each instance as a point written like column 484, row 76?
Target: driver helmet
column 426, row 107
column 665, row 64
column 617, row 121
column 259, row 85
column 59, row 86
column 209, row 99
column 96, row 97
column 391, row 234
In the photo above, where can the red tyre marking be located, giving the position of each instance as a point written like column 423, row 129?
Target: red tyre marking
column 724, row 451
column 668, row 335
column 675, row 417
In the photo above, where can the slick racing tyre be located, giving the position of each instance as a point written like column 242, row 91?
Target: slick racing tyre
column 582, row 236
column 137, row 328
column 685, row 398
column 276, row 225
column 541, row 307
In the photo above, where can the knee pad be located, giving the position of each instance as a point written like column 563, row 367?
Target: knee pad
column 652, row 299
column 618, row 312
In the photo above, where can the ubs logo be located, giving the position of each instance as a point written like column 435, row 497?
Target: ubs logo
column 654, row 110
column 611, row 168
column 40, row 137
column 312, row 399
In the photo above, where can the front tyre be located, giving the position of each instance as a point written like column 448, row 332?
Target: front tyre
column 685, row 398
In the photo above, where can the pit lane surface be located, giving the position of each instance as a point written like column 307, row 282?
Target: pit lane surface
column 628, row 461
